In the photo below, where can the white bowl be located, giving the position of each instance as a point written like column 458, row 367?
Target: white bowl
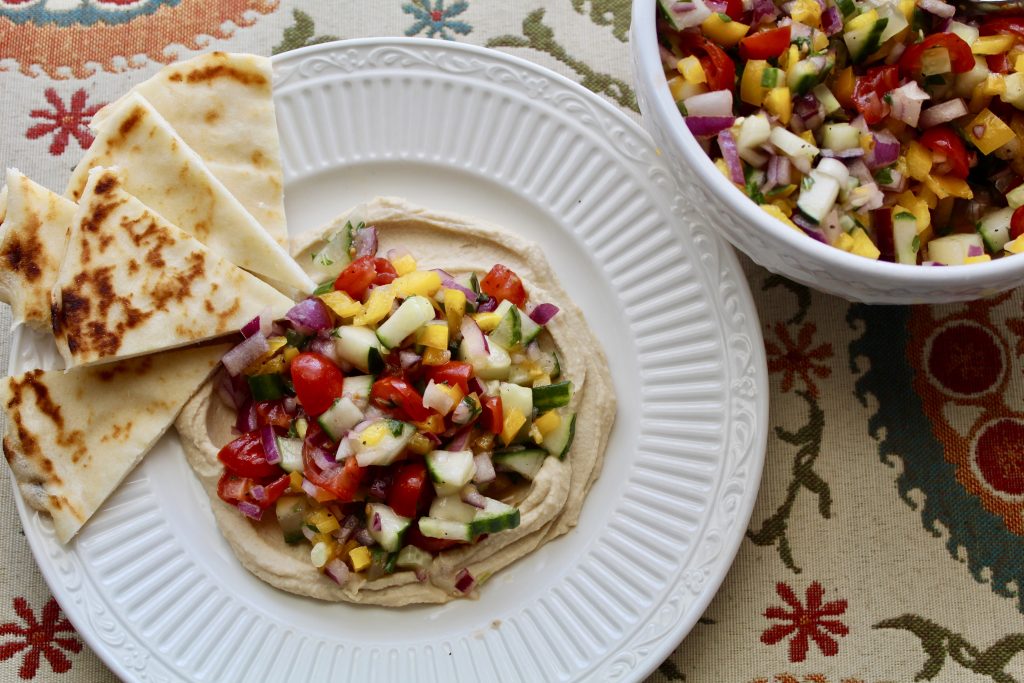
column 767, row 241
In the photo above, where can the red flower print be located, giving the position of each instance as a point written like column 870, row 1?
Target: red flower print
column 797, row 359
column 41, row 638
column 803, row 622
column 63, row 121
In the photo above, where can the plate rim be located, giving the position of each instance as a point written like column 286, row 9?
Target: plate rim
column 727, row 261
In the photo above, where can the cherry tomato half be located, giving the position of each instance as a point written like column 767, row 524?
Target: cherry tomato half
column 245, row 457
column 943, row 139
column 1017, row 223
column 363, row 272
column 342, row 482
column 317, row 381
column 492, row 416
column 870, row 89
column 272, row 413
column 504, row 285
column 453, row 373
column 960, row 56
column 234, row 489
column 765, row 44
column 1014, row 25
column 408, row 489
column 396, row 393
column 718, row 67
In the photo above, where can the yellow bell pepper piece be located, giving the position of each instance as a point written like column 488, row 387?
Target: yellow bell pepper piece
column 436, row 356
column 988, row 132
column 342, row 304
column 723, row 30
column 676, row 86
column 806, row 12
column 916, row 206
column 819, row 43
column 844, row 242
column 862, row 244
column 691, row 70
column 919, row 161
column 751, row 90
column 548, row 422
column 977, row 259
column 404, row 264
column 779, row 103
column 273, row 366
column 992, row 45
column 487, row 321
column 418, row 283
column 290, row 353
column 377, row 307
column 1015, row 246
column 359, row 558
column 295, row 482
column 454, row 309
column 324, row 521
column 775, row 212
column 274, row 345
column 993, row 85
column 1018, row 65
column 946, row 186
column 374, row 434
column 907, row 7
column 433, row 335
column 514, row 421
column 844, row 85
column 862, row 21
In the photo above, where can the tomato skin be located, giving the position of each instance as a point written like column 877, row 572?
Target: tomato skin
column 408, row 487
column 734, row 9
column 960, row 56
column 356, row 277
column 492, row 416
column 1014, row 25
column 870, row 89
column 453, row 373
column 272, row 413
column 765, row 44
column 998, row 63
column 317, row 381
column 343, row 482
column 1017, row 223
column 245, row 457
column 395, row 392
column 718, row 66
column 503, row 284
column 233, row 489
column 386, row 272
column 943, row 139
column 432, row 545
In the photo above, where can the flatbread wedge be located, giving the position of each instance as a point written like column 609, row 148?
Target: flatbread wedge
column 33, row 236
column 131, row 283
column 166, row 174
column 73, row 437
column 220, row 104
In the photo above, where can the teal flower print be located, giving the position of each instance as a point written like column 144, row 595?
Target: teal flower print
column 436, row 19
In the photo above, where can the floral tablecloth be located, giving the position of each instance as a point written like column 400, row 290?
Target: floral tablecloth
column 888, row 540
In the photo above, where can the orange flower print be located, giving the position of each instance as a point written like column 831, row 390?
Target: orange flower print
column 796, row 359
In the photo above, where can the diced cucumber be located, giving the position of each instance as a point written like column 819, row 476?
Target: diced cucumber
column 329, row 261
column 559, row 440
column 411, row 557
column 509, row 331
column 967, row 81
column 529, row 329
column 1015, row 197
column 496, row 516
column 291, row 453
column 846, row 7
column 840, row 136
column 994, row 229
column 467, row 410
column 391, row 525
column 683, row 20
column 818, row 196
column 381, row 442
column 936, row 62
column 360, row 347
column 793, row 146
column 291, row 513
column 968, row 34
column 806, row 74
column 357, row 389
column 827, row 99
column 526, row 462
column 266, row 387
column 836, row 169
column 450, row 470
column 863, row 42
column 452, row 508
column 906, row 243
column 895, row 21
column 515, row 397
column 445, row 529
column 493, row 366
column 952, row 249
column 342, row 416
column 410, row 316
column 323, row 288
column 551, row 396
column 754, row 132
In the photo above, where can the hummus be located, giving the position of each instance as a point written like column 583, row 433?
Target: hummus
column 549, row 506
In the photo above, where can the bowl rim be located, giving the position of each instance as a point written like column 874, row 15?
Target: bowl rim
column 651, row 81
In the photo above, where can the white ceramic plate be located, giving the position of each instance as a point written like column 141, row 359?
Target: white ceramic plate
column 153, row 587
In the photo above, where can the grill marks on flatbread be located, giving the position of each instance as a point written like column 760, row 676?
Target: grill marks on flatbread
column 132, row 283
column 165, row 173
column 72, row 437
column 33, row 236
column 221, row 105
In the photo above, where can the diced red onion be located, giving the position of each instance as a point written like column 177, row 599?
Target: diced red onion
column 464, row 581
column 831, row 21
column 245, row 354
column 476, row 385
column 706, row 126
column 975, row 250
column 421, row 574
column 852, row 153
column 898, row 183
column 895, row 53
column 259, row 493
column 269, row 440
column 345, row 449
column 799, row 30
column 979, row 130
column 309, row 315
column 941, row 113
column 460, row 440
column 937, row 7
column 307, row 532
column 932, row 263
column 365, row 242
column 714, row 103
column 488, row 306
column 764, row 10
column 484, row 468
column 364, row 538
column 396, row 253
column 906, row 103
column 543, row 313
column 860, row 171
column 780, row 171
column 375, row 524
column 810, row 228
column 807, row 106
column 379, row 489
column 245, row 420
column 727, row 143
column 311, row 489
column 250, row 510
column 322, row 459
column 885, row 151
column 343, row 532
column 471, row 496
column 337, row 570
column 234, row 488
column 668, row 60
column 408, row 359
column 474, row 338
column 325, row 347
column 291, row 404
column 448, row 282
column 717, row 5
column 261, row 323
column 226, row 391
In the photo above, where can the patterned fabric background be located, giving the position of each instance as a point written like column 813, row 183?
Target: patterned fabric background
column 888, row 540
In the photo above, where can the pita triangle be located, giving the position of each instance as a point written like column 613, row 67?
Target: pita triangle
column 221, row 105
column 73, row 437
column 165, row 173
column 33, row 237
column 131, row 283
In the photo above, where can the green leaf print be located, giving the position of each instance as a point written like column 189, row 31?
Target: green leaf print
column 300, row 34
column 614, row 13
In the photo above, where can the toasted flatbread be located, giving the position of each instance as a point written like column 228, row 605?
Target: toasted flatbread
column 73, row 437
column 220, row 104
column 166, row 174
column 33, row 236
column 132, row 283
